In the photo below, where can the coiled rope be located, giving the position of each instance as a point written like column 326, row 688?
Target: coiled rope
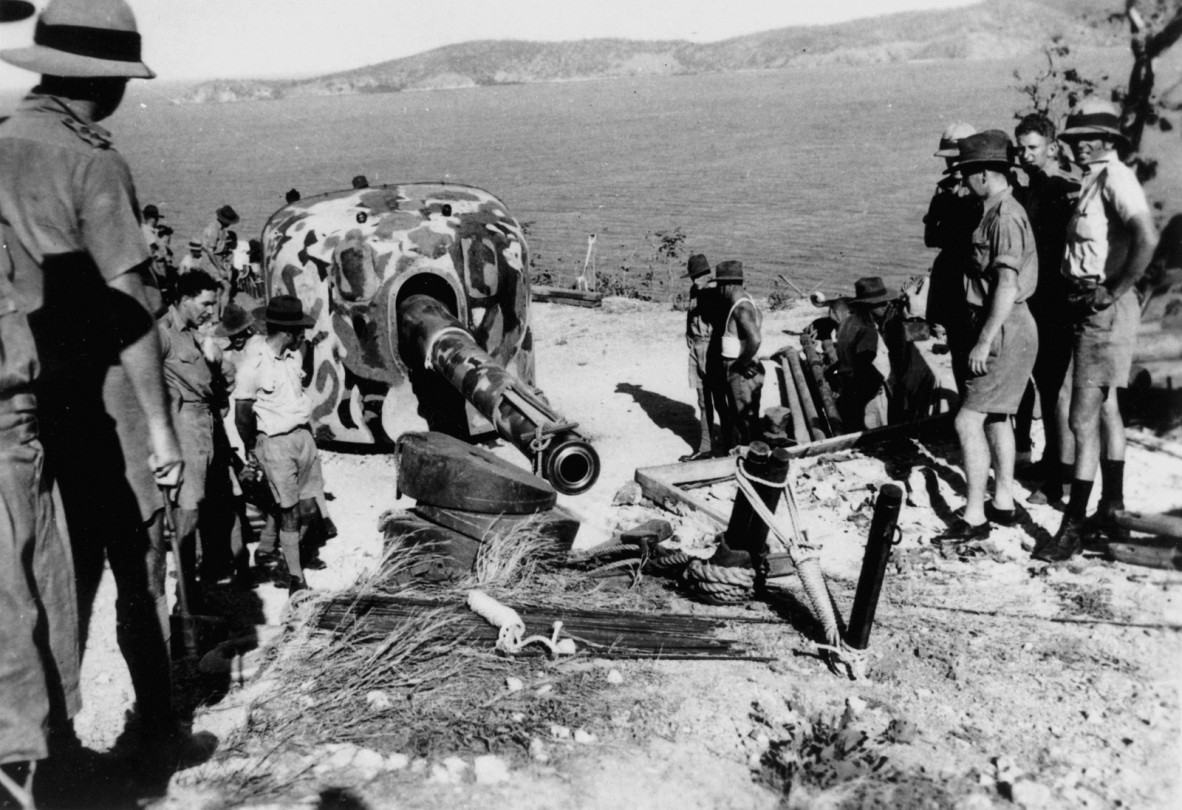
column 511, row 638
column 718, row 584
column 808, row 565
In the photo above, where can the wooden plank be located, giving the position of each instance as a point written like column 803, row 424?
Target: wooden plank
column 662, row 492
column 1162, row 525
column 575, row 298
column 805, row 396
column 800, row 428
column 665, row 482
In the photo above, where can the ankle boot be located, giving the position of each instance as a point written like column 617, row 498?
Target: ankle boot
column 1067, row 543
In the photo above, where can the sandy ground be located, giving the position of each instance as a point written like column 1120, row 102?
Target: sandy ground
column 1014, row 683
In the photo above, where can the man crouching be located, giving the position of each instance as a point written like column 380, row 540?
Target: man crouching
column 1002, row 274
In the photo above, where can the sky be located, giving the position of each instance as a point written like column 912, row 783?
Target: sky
column 186, row 40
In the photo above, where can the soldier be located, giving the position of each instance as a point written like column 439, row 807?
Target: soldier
column 697, row 339
column 273, row 416
column 952, row 215
column 72, row 228
column 736, row 376
column 863, row 364
column 1002, row 276
column 192, row 259
column 214, row 258
column 1048, row 198
column 158, row 237
column 1110, row 242
column 192, row 388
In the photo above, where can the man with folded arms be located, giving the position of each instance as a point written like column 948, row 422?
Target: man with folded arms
column 1110, row 242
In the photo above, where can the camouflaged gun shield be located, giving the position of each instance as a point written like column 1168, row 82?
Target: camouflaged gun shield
column 352, row 256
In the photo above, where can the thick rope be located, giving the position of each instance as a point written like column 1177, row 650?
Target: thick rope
column 511, row 638
column 804, row 556
column 721, row 585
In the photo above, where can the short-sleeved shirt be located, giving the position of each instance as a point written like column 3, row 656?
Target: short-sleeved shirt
column 274, row 383
column 213, row 242
column 65, row 192
column 186, row 371
column 1003, row 240
column 697, row 315
column 1098, row 235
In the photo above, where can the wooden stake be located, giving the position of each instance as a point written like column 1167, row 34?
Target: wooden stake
column 818, row 370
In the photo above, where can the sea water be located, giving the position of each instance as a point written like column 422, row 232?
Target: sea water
column 822, row 175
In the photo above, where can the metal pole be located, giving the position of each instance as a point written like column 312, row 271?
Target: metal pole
column 878, row 551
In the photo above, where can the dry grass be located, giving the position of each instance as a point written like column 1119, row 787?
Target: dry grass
column 424, row 690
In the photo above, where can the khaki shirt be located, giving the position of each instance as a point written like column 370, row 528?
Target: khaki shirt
column 213, row 242
column 1098, row 234
column 1003, row 239
column 186, row 372
column 66, row 193
column 274, row 382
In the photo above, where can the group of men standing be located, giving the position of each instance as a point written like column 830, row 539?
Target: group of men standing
column 113, row 402
column 723, row 334
column 1037, row 280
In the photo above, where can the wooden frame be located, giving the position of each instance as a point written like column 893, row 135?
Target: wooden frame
column 667, row 483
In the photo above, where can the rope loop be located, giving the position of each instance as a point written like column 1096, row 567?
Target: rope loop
column 511, row 638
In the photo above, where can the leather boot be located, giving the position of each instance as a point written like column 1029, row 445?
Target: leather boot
column 1067, row 543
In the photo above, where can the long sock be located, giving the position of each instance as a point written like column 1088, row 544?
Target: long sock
column 1081, row 493
column 290, row 542
column 1112, row 484
column 1066, row 473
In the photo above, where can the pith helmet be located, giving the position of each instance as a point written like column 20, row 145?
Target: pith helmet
column 696, row 266
column 951, row 137
column 1093, row 117
column 83, row 38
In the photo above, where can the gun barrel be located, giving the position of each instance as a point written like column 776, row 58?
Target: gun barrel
column 519, row 415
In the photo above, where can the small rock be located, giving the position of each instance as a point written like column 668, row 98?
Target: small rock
column 455, row 765
column 490, row 770
column 755, row 761
column 560, row 732
column 517, row 717
column 627, row 495
column 584, row 737
column 367, row 763
column 544, row 690
column 615, row 678
column 1030, row 795
column 537, row 751
column 397, row 762
column 514, row 684
column 378, row 700
column 418, row 765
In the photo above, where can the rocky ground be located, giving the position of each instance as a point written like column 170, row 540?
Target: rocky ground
column 993, row 680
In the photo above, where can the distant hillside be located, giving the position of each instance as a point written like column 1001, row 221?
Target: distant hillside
column 993, row 29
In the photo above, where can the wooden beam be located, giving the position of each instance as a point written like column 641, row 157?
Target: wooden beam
column 666, row 483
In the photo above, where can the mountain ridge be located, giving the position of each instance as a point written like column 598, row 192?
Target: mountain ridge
column 992, row 29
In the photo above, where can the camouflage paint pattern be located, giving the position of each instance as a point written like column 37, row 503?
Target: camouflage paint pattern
column 351, row 256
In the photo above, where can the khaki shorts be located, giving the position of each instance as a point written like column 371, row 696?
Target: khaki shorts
column 1011, row 359
column 292, row 466
column 1104, row 343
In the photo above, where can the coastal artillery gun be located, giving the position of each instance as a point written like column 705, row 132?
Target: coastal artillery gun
column 420, row 299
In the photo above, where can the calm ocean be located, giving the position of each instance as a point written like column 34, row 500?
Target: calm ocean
column 822, row 175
